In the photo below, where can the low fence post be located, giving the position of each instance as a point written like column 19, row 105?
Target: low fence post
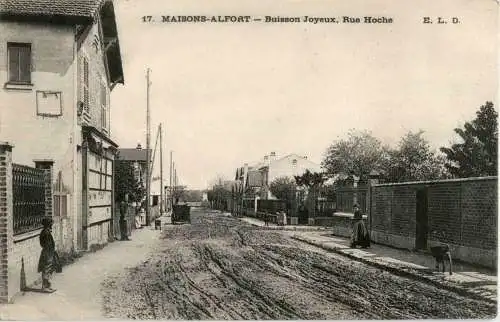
column 6, row 218
column 355, row 190
column 373, row 180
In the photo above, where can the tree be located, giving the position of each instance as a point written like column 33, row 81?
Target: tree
column 312, row 182
column 179, row 193
column 126, row 183
column 194, row 195
column 283, row 188
column 222, row 195
column 477, row 154
column 211, row 197
column 413, row 160
column 357, row 155
column 310, row 179
column 329, row 192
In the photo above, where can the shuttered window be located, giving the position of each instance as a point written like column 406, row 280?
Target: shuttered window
column 86, row 82
column 60, row 205
column 104, row 110
column 19, row 62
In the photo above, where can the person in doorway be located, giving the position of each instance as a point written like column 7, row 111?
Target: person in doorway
column 360, row 235
column 123, row 220
column 303, row 214
column 49, row 260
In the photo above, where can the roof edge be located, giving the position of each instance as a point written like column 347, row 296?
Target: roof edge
column 45, row 18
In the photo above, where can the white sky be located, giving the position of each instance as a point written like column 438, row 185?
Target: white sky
column 231, row 93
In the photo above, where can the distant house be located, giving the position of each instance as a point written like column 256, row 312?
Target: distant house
column 260, row 175
column 138, row 159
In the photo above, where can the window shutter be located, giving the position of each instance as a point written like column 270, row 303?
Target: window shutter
column 104, row 120
column 80, row 79
column 19, row 62
column 86, row 93
column 25, row 64
column 60, row 205
column 57, row 206
column 13, row 53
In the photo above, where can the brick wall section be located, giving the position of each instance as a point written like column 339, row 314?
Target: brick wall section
column 403, row 211
column 465, row 210
column 23, row 261
column 444, row 210
column 479, row 203
column 5, row 217
column 381, row 208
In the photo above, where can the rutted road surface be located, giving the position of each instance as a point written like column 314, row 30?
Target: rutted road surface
column 221, row 268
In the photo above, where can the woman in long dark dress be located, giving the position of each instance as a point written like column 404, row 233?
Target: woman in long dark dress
column 49, row 261
column 360, row 235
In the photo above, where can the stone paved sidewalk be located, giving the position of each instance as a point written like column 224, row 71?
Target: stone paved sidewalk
column 260, row 223
column 78, row 286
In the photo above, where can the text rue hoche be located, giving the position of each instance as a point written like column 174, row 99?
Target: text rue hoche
column 269, row 19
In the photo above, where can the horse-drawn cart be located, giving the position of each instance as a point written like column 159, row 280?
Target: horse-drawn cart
column 181, row 213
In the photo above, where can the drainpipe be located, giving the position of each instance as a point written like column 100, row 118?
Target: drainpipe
column 75, row 140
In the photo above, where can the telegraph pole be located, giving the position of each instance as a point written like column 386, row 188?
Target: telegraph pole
column 174, row 183
column 148, row 149
column 162, row 209
column 170, row 182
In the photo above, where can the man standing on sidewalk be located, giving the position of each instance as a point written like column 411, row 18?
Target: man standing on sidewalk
column 49, row 262
column 123, row 221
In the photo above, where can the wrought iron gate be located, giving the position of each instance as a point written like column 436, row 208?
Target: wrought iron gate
column 28, row 185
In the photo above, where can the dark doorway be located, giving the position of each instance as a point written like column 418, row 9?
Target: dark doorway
column 303, row 217
column 422, row 220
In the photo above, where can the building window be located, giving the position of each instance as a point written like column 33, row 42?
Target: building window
column 19, row 63
column 104, row 110
column 294, row 162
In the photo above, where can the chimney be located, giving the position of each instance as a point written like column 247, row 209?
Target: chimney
column 139, row 146
column 266, row 160
column 245, row 174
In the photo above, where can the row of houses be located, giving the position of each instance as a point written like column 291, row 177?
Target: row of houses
column 59, row 62
column 259, row 175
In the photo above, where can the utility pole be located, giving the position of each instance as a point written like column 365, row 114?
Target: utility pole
column 175, row 177
column 162, row 209
column 148, row 150
column 170, row 181
column 173, row 183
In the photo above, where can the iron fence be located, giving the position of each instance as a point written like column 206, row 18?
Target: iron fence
column 271, row 206
column 345, row 198
column 325, row 208
column 28, row 185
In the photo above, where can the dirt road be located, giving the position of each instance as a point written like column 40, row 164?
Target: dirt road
column 221, row 268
